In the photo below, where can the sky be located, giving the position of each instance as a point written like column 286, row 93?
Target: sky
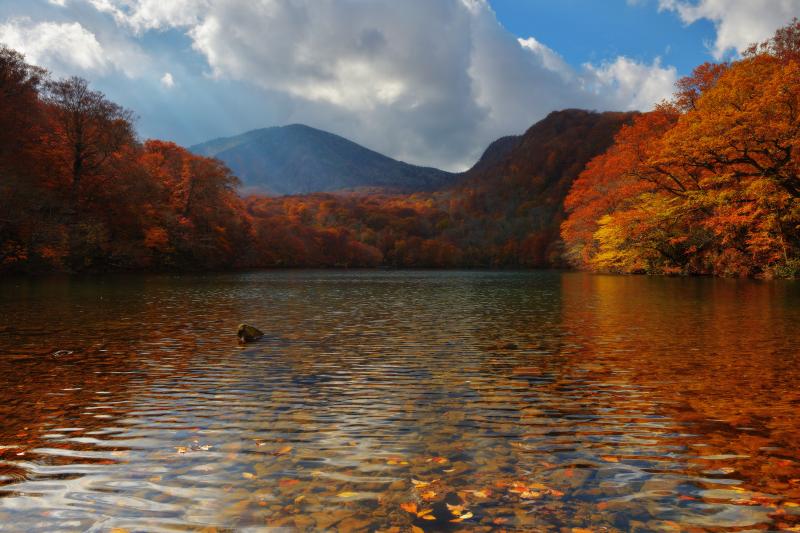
column 431, row 82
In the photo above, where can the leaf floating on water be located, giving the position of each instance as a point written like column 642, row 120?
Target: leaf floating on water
column 530, row 495
column 481, row 493
column 416, row 529
column 438, row 460
column 420, row 484
column 181, row 449
column 610, row 459
column 347, row 494
column 300, row 498
column 248, row 475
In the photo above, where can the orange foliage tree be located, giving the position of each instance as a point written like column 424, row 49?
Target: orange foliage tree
column 717, row 191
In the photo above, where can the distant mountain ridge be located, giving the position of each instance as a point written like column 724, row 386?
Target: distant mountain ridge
column 299, row 159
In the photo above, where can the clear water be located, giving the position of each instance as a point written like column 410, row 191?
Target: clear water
column 542, row 401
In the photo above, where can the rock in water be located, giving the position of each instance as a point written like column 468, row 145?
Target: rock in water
column 248, row 333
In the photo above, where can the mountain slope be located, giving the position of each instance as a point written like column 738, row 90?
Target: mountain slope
column 298, row 159
column 495, row 153
column 515, row 193
column 503, row 213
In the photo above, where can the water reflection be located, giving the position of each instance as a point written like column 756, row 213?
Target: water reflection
column 521, row 400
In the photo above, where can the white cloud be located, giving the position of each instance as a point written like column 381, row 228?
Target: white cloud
column 167, row 81
column 63, row 47
column 141, row 15
column 69, row 48
column 430, row 81
column 549, row 58
column 632, row 85
column 739, row 23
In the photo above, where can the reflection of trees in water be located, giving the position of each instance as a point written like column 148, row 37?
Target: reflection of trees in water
column 716, row 357
column 597, row 387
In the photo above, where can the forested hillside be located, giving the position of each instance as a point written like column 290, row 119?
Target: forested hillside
column 79, row 192
column 707, row 183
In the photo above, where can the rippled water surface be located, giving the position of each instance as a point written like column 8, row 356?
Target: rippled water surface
column 542, row 401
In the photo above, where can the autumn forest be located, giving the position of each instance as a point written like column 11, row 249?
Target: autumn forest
column 707, row 183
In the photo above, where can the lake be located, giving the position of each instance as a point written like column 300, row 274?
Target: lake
column 545, row 401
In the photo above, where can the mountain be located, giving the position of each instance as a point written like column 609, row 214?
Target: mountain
column 495, row 153
column 503, row 213
column 516, row 191
column 298, row 159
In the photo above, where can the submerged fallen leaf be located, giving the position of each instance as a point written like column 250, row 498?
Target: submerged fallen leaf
column 282, row 451
column 465, row 516
column 530, row 495
column 745, row 501
column 455, row 509
column 409, row 507
column 288, row 482
column 500, row 521
column 419, row 484
column 428, row 495
column 438, row 460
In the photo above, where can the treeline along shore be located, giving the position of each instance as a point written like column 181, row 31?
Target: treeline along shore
column 707, row 183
